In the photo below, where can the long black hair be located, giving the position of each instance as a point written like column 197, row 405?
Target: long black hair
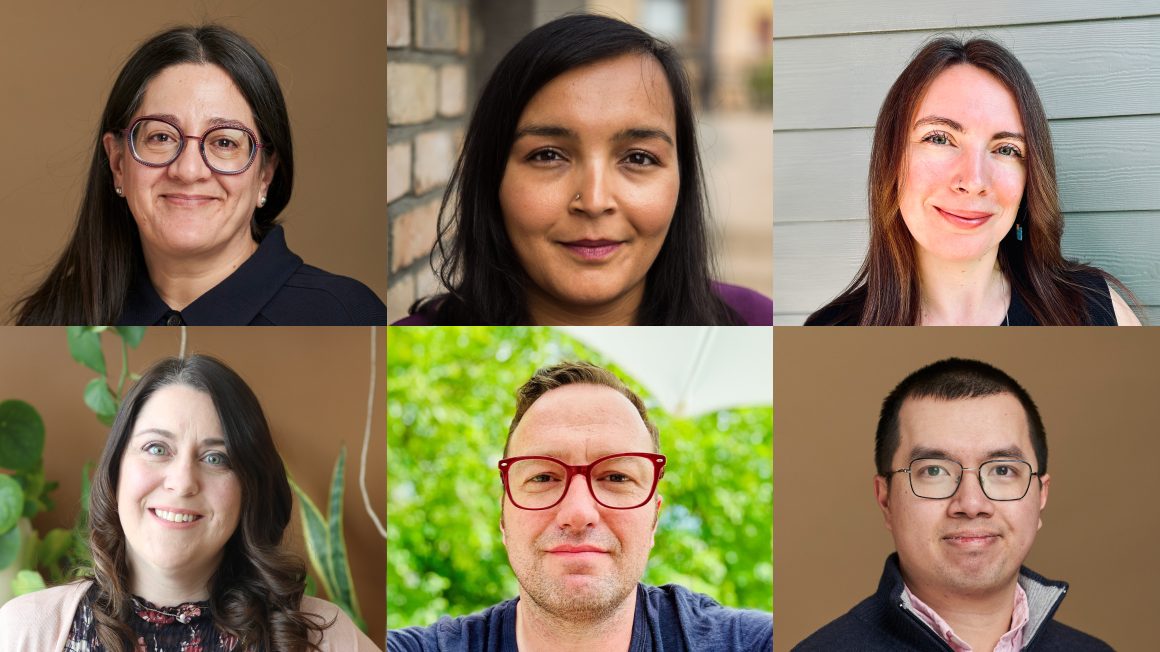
column 473, row 256
column 90, row 281
column 257, row 590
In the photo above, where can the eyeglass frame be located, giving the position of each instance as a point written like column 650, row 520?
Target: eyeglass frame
column 573, row 470
column 964, row 469
column 200, row 143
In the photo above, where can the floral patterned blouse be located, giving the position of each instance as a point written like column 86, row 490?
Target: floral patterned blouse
column 187, row 627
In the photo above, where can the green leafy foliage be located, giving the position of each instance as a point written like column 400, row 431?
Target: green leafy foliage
column 326, row 542
column 21, row 436
column 27, row 581
column 450, row 397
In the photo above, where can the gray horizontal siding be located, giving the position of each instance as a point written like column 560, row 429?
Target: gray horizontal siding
column 1080, row 70
column 1102, row 164
column 807, row 17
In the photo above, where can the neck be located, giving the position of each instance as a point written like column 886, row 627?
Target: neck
column 171, row 588
column 974, row 293
column 620, row 311
column 979, row 619
column 180, row 281
column 540, row 631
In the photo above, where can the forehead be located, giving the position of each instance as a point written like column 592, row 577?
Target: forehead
column 181, row 410
column 579, row 423
column 194, row 93
column 604, row 95
column 972, row 97
column 967, row 429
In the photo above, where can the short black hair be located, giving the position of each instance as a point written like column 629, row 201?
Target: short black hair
column 951, row 379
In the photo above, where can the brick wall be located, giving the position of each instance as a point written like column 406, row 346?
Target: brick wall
column 427, row 47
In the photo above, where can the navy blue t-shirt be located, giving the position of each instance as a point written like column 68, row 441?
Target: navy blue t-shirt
column 669, row 618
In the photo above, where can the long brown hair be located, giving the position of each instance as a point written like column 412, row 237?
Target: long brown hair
column 885, row 291
column 256, row 592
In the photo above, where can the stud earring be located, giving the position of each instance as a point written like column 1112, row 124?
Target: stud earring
column 261, row 201
column 119, row 191
column 1019, row 232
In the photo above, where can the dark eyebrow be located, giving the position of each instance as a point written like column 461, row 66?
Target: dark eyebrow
column 216, row 122
column 924, row 452
column 947, row 122
column 556, row 131
column 161, row 432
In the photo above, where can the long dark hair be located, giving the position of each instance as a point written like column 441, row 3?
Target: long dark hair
column 256, row 591
column 473, row 256
column 885, row 292
column 90, row 281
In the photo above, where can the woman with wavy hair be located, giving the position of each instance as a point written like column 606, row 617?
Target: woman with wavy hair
column 965, row 222
column 192, row 164
column 187, row 511
column 578, row 196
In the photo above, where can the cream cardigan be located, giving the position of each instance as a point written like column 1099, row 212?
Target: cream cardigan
column 41, row 621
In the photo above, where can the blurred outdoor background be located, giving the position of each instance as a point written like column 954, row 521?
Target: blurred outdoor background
column 450, row 398
column 441, row 52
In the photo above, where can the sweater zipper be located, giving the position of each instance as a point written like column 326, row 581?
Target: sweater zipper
column 926, row 628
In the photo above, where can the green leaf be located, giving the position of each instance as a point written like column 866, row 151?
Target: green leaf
column 21, row 436
column 84, row 344
column 131, row 334
column 340, row 565
column 100, row 400
column 54, row 547
column 27, row 581
column 11, row 503
column 314, row 531
column 9, row 547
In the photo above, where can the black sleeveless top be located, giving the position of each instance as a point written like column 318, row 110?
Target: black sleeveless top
column 1097, row 300
column 187, row 626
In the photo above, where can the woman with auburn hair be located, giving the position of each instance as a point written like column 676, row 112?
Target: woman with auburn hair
column 187, row 511
column 578, row 196
column 965, row 222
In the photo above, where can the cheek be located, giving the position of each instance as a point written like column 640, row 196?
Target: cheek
column 1009, row 185
column 924, row 175
column 526, row 211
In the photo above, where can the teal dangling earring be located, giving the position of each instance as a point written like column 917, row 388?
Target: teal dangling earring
column 1019, row 232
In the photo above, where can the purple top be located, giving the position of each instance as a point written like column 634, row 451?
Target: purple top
column 755, row 308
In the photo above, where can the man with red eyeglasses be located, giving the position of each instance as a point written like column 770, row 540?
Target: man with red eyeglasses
column 580, row 471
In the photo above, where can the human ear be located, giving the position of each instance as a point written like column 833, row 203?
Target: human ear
column 266, row 176
column 882, row 496
column 115, row 151
column 1045, row 481
column 652, row 539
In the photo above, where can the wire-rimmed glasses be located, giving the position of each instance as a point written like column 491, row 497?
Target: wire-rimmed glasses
column 937, row 478
column 226, row 149
column 618, row 481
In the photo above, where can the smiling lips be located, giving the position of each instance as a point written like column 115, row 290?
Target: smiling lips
column 577, row 551
column 593, row 250
column 971, row 539
column 963, row 218
column 182, row 199
column 172, row 517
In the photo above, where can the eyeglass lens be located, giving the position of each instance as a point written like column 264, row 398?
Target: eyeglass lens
column 1000, row 479
column 158, row 143
column 624, row 482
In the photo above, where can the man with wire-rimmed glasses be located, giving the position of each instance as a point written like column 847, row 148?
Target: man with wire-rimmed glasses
column 961, row 456
column 581, row 470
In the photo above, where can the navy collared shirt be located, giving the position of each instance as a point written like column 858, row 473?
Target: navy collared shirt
column 272, row 288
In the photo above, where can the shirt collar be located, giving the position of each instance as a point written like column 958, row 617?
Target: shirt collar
column 235, row 301
column 1011, row 641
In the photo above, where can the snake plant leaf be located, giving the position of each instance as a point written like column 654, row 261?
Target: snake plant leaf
column 21, row 436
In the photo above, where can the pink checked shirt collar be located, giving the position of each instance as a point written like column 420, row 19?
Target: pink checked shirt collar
column 1012, row 641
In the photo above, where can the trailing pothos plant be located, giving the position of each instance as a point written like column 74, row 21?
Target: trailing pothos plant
column 29, row 561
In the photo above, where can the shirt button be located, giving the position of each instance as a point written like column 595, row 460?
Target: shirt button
column 174, row 319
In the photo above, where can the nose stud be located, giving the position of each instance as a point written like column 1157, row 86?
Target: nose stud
column 577, row 197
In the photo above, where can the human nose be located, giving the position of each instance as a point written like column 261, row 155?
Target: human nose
column 973, row 176
column 594, row 195
column 181, row 477
column 577, row 509
column 969, row 499
column 189, row 165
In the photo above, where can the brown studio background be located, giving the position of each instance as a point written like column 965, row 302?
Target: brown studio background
column 1095, row 389
column 58, row 62
column 312, row 384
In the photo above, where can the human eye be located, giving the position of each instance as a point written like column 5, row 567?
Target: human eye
column 640, row 158
column 937, row 138
column 1005, row 470
column 216, row 458
column 546, row 155
column 1009, row 149
column 155, row 449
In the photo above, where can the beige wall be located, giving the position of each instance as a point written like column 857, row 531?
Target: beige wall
column 1096, row 392
column 312, row 383
column 58, row 62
